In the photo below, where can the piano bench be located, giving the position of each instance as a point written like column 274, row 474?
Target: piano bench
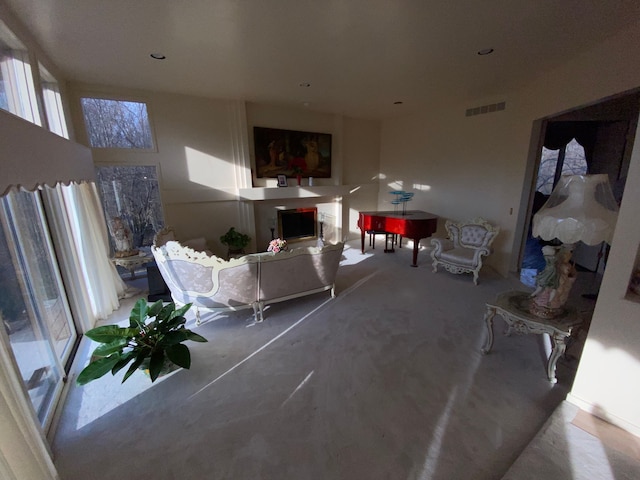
column 391, row 236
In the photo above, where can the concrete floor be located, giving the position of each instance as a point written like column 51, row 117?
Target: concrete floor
column 386, row 381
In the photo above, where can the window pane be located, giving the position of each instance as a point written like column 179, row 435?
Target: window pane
column 546, row 171
column 132, row 194
column 53, row 103
column 17, row 91
column 33, row 304
column 116, row 123
column 575, row 162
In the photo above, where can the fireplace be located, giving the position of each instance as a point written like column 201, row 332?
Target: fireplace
column 298, row 224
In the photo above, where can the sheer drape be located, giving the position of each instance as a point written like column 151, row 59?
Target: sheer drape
column 76, row 215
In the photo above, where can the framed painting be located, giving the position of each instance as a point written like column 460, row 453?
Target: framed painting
column 291, row 153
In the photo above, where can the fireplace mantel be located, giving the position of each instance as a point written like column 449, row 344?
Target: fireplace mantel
column 257, row 194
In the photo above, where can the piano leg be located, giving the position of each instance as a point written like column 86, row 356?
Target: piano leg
column 416, row 244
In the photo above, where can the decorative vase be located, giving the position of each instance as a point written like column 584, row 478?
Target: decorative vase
column 299, row 178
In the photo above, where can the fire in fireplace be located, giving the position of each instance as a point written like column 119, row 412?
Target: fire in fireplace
column 298, row 224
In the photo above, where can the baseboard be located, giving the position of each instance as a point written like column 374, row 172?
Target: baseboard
column 597, row 411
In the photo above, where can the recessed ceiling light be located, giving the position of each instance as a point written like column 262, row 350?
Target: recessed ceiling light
column 305, row 84
column 157, row 56
column 485, row 51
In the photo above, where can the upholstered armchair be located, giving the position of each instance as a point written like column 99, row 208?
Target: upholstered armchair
column 462, row 252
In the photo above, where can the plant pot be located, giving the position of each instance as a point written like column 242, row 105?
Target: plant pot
column 167, row 368
column 235, row 252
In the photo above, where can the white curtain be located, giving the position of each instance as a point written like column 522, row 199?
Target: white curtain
column 77, row 217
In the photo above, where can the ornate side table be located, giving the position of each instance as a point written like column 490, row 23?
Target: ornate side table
column 132, row 263
column 513, row 307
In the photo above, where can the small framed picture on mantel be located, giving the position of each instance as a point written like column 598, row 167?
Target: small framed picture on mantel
column 282, row 180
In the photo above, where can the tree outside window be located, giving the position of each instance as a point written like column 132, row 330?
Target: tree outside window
column 116, row 123
column 572, row 162
column 132, row 193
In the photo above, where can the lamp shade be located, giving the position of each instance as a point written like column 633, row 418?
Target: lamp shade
column 580, row 208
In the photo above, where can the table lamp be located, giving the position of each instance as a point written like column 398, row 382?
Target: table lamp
column 580, row 208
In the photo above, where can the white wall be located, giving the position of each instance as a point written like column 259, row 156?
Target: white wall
column 194, row 156
column 458, row 167
column 204, row 154
column 30, row 155
column 606, row 379
column 461, row 167
column 476, row 166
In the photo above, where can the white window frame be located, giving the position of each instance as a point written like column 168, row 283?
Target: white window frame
column 114, row 98
column 52, row 100
column 17, row 77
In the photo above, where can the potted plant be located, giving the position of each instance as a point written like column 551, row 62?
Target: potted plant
column 153, row 340
column 235, row 241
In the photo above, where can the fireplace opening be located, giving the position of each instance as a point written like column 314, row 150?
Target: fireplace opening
column 298, row 224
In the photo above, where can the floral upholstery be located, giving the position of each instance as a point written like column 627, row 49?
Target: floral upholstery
column 462, row 252
column 250, row 281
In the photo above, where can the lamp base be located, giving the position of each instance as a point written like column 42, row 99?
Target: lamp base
column 553, row 283
column 544, row 311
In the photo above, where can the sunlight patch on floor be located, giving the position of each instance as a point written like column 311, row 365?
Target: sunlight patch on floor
column 306, row 379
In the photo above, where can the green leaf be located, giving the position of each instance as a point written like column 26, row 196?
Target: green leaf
column 182, row 310
column 124, row 359
column 138, row 314
column 97, row 369
column 171, row 324
column 179, row 354
column 107, row 349
column 156, row 363
column 195, row 337
column 155, row 308
column 172, row 338
column 134, row 366
column 166, row 312
column 110, row 333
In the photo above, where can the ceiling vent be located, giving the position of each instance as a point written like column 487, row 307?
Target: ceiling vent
column 495, row 107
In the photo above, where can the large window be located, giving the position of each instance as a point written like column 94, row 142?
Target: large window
column 132, row 194
column 17, row 92
column 33, row 305
column 53, row 103
column 116, row 123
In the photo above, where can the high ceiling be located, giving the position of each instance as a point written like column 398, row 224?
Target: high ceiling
column 359, row 56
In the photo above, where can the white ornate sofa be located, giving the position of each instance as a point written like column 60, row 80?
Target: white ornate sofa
column 462, row 252
column 251, row 281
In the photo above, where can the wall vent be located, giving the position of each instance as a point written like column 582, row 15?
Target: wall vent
column 495, row 107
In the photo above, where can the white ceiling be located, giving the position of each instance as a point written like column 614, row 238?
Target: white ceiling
column 360, row 56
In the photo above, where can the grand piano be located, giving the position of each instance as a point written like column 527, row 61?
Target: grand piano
column 413, row 224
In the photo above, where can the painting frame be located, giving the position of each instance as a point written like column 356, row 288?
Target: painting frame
column 291, row 153
column 282, row 180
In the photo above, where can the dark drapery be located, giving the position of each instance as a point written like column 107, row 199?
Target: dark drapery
column 558, row 134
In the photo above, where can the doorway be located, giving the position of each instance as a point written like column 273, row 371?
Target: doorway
column 588, row 140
